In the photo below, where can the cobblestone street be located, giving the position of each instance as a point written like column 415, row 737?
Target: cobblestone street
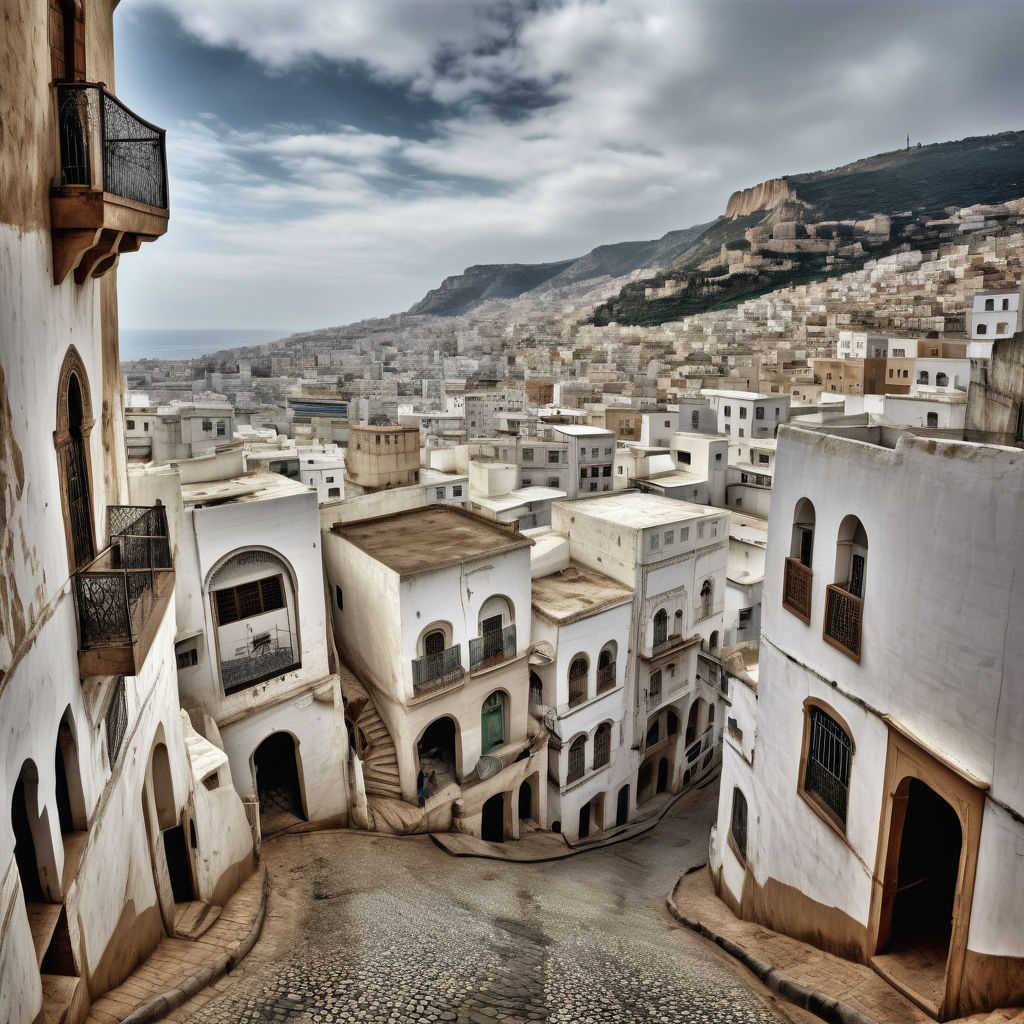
column 372, row 928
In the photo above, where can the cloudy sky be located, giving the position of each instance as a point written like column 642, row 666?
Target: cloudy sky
column 334, row 159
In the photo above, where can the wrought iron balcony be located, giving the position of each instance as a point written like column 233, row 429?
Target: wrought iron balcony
column 606, row 677
column 492, row 648
column 796, row 589
column 121, row 595
column 267, row 654
column 437, row 671
column 111, row 193
column 843, row 614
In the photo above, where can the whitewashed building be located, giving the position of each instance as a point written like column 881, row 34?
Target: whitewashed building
column 746, row 415
column 872, row 797
column 994, row 315
column 116, row 819
column 431, row 609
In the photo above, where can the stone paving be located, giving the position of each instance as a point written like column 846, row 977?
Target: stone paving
column 374, row 928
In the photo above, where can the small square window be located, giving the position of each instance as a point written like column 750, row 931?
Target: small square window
column 743, row 412
column 593, row 487
column 741, row 432
column 145, row 426
column 553, row 456
column 654, row 542
column 130, row 424
column 606, row 471
column 330, row 479
column 457, row 491
column 759, row 413
column 670, row 535
column 684, row 533
column 700, row 530
column 439, row 493
column 333, row 492
column 718, row 456
column 187, row 659
column 207, row 425
column 728, row 410
column 527, row 455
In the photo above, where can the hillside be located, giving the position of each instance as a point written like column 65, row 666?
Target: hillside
column 478, row 284
column 807, row 227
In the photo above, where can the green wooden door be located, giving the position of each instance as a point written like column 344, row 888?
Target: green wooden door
column 492, row 723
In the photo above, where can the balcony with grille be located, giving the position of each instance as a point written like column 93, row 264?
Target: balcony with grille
column 606, row 677
column 796, row 589
column 121, row 596
column 493, row 648
column 438, row 671
column 110, row 193
column 843, row 621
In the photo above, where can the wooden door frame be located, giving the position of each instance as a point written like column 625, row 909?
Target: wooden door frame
column 907, row 758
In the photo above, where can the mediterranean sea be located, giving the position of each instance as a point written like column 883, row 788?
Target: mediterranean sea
column 190, row 343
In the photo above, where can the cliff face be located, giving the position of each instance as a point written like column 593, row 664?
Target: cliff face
column 765, row 196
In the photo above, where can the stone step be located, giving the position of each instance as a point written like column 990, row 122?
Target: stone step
column 42, row 920
column 382, row 788
column 64, row 998
column 191, row 920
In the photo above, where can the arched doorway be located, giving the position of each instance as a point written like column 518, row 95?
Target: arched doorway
column 525, row 801
column 643, row 782
column 584, row 827
column 435, row 753
column 277, row 783
column 927, row 871
column 693, row 720
column 492, row 721
column 492, row 822
column 179, row 868
column 74, row 421
column 662, row 775
column 22, row 815
column 622, row 806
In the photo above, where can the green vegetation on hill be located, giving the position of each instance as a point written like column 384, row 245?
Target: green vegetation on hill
column 987, row 169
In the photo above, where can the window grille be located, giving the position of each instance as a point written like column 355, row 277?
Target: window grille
column 577, row 755
column 602, row 745
column 577, row 682
column 187, row 659
column 829, row 753
column 654, row 686
column 660, row 626
column 738, row 827
column 117, row 720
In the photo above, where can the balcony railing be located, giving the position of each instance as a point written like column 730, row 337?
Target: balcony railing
column 104, row 146
column 843, row 614
column 606, row 677
column 118, row 594
column 577, row 689
column 435, row 671
column 267, row 654
column 492, row 648
column 796, row 589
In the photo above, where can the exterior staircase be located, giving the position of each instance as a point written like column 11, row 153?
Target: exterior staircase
column 380, row 763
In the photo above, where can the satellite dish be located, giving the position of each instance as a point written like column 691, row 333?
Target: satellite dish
column 487, row 767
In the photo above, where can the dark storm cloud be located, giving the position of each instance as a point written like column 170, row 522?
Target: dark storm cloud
column 347, row 155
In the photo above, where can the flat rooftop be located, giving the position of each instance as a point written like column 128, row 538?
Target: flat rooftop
column 429, row 538
column 575, row 592
column 640, row 511
column 258, row 486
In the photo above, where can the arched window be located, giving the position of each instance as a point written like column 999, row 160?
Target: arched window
column 496, row 640
column 829, row 754
column 738, row 825
column 933, row 419
column 1002, row 327
column 492, row 721
column 606, row 667
column 252, row 595
column 654, row 686
column 707, row 595
column 653, row 733
column 672, row 722
column 578, row 671
column 71, row 438
column 660, row 626
column 577, row 758
column 713, row 641
column 941, row 380
column 982, row 329
column 602, row 744
column 851, row 556
column 536, row 690
column 434, row 642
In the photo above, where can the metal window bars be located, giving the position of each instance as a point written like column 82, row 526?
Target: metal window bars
column 494, row 647
column 606, row 677
column 116, row 592
column 577, row 682
column 602, row 746
column 435, row 670
column 103, row 145
column 577, row 759
column 268, row 653
column 829, row 753
column 117, row 720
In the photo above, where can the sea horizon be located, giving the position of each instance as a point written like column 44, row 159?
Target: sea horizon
column 190, row 342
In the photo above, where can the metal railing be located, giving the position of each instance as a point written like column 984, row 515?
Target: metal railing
column 103, row 145
column 492, row 648
column 267, row 654
column 116, row 592
column 433, row 671
column 577, row 689
column 606, row 677
column 796, row 589
column 843, row 614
